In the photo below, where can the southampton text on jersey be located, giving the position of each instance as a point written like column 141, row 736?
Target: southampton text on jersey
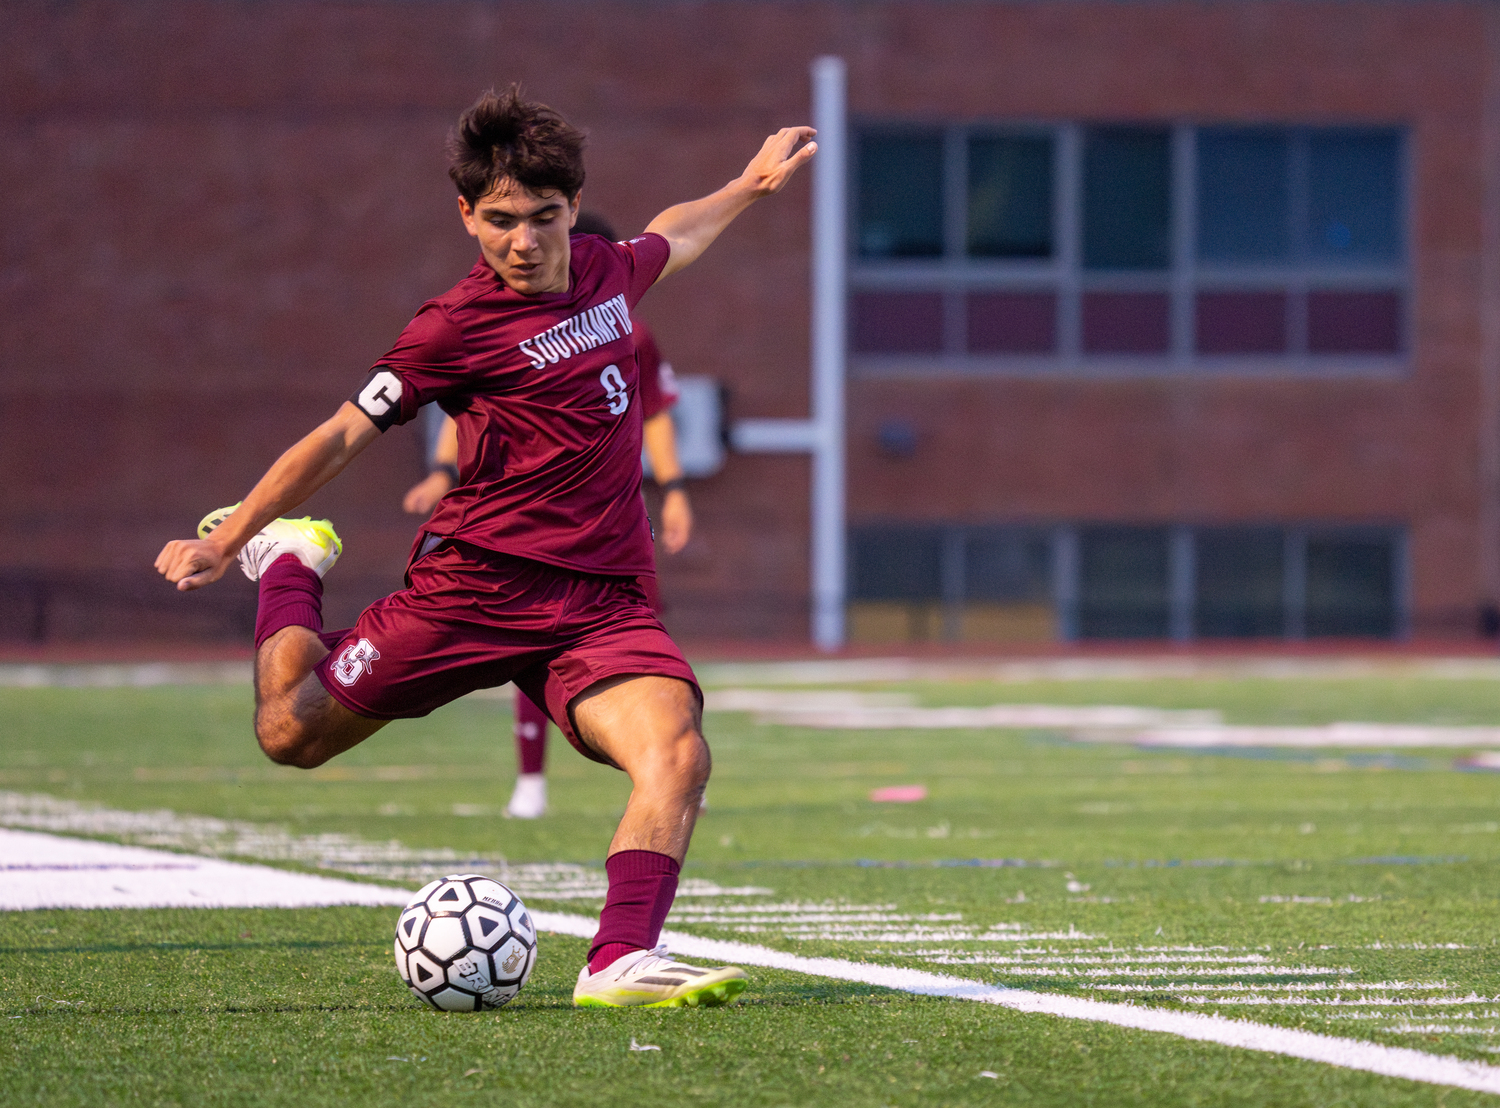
column 598, row 325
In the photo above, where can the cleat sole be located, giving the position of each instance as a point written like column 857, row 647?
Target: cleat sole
column 708, row 996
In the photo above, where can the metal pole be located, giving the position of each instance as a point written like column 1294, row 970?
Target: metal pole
column 829, row 227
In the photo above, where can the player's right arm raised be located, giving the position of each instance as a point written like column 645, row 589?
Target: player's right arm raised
column 690, row 228
column 296, row 475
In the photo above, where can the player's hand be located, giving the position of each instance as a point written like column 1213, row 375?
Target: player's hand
column 422, row 497
column 192, row 563
column 778, row 159
column 676, row 521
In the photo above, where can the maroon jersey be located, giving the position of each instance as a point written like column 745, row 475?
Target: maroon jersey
column 658, row 382
column 544, row 390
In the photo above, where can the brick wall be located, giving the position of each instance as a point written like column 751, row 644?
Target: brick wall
column 218, row 214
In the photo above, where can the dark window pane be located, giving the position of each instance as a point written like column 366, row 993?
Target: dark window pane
column 1354, row 196
column 1012, row 322
column 895, row 563
column 898, row 323
column 900, row 196
column 1354, row 322
column 1351, row 587
column 1123, row 586
column 1010, row 197
column 1239, row 583
column 1126, row 199
column 1241, row 322
column 1243, row 213
column 1126, row 323
column 1007, row 565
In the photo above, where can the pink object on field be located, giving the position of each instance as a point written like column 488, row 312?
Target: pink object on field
column 899, row 794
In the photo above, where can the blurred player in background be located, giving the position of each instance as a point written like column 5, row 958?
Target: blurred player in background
column 658, row 392
column 528, row 571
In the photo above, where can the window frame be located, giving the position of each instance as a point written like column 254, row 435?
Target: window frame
column 955, row 275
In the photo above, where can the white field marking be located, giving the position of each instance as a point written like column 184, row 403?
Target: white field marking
column 1111, row 719
column 45, row 871
column 1169, row 971
column 1290, row 986
column 825, row 920
column 1009, row 937
column 1412, row 1065
column 786, row 700
column 864, row 670
column 1379, row 1014
column 1439, row 1029
column 389, row 861
column 1358, row 735
column 1249, row 962
column 148, row 675
column 1189, row 729
column 1355, row 1002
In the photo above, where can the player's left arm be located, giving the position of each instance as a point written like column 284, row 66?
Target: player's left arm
column 690, row 228
column 422, row 497
column 676, row 512
column 301, row 471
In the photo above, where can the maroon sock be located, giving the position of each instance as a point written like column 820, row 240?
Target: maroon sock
column 291, row 595
column 642, row 886
column 531, row 735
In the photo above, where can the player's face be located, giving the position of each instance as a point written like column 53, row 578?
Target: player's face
column 523, row 235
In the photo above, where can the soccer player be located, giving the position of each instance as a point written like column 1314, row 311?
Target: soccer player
column 528, row 571
column 658, row 392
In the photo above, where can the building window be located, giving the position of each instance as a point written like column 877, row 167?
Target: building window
column 915, row 582
column 1129, row 249
column 935, row 582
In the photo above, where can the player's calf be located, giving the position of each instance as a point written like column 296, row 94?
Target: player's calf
column 296, row 722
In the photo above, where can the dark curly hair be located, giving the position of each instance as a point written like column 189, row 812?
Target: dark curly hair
column 503, row 136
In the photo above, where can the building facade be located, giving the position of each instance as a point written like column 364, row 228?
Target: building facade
column 1166, row 320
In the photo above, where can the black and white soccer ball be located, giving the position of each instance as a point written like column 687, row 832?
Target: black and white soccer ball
column 465, row 943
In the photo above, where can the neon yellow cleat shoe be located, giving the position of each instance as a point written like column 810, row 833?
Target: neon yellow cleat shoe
column 216, row 517
column 313, row 542
column 650, row 979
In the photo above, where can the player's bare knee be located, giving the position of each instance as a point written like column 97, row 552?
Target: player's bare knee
column 689, row 758
column 286, row 742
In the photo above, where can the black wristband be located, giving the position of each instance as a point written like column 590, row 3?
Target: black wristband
column 676, row 484
column 449, row 468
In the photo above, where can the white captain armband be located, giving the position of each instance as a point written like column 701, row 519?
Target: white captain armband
column 379, row 398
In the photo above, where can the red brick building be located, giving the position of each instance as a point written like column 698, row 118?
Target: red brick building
column 1166, row 319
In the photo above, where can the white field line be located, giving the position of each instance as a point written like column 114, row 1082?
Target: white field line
column 861, row 670
column 1283, row 987
column 1388, row 1061
column 1109, row 719
column 139, row 676
column 45, row 871
column 1333, row 735
column 390, row 861
column 1187, row 729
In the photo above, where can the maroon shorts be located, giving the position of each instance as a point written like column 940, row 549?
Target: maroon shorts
column 472, row 618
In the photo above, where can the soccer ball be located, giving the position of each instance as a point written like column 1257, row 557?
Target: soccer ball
column 465, row 943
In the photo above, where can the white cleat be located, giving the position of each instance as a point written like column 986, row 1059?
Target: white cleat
column 313, row 542
column 529, row 800
column 651, row 979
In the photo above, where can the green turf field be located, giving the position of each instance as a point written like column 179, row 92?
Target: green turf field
column 1346, row 892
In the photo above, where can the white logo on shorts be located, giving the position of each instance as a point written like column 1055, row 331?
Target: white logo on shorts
column 355, row 662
